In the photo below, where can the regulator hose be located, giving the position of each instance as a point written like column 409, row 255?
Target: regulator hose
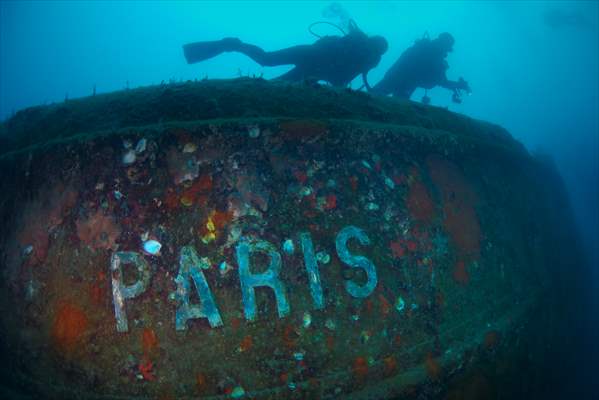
column 324, row 22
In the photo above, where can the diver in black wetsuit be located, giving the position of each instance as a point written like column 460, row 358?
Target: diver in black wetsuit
column 335, row 59
column 422, row 65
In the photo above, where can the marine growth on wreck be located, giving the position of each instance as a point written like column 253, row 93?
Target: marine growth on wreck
column 264, row 240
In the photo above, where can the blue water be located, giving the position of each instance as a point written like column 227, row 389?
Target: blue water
column 533, row 66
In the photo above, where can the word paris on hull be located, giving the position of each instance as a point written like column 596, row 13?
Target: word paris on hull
column 190, row 270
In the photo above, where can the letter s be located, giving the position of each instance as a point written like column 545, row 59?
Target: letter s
column 356, row 261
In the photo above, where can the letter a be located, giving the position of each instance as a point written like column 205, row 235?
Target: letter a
column 191, row 266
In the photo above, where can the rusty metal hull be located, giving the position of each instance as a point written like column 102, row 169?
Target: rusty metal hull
column 355, row 247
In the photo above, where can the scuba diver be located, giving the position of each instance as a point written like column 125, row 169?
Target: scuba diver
column 422, row 65
column 335, row 59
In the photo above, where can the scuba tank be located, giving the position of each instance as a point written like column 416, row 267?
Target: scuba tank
column 425, row 98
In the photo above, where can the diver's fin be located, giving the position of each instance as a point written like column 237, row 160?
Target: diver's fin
column 200, row 51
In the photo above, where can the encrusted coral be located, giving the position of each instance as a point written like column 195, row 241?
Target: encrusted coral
column 98, row 231
column 43, row 215
column 182, row 166
column 251, row 190
column 198, row 192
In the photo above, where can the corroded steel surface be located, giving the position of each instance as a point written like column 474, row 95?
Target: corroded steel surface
column 262, row 255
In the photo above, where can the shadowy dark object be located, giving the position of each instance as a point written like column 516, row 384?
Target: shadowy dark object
column 557, row 19
column 422, row 65
column 334, row 59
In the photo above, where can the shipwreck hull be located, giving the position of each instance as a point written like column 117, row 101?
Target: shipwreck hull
column 249, row 239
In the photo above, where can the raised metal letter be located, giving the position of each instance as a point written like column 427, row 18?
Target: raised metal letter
column 269, row 278
column 356, row 261
column 120, row 292
column 312, row 268
column 191, row 265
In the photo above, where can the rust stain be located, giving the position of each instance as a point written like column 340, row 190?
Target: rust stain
column 290, row 336
column 70, row 325
column 419, row 203
column 433, row 369
column 397, row 249
column 98, row 294
column 246, row 343
column 235, row 323
column 313, row 383
column 460, row 219
column 171, row 200
column 149, row 341
column 491, row 339
column 201, row 186
column 353, row 182
column 384, row 305
column 460, row 273
column 284, row 377
column 397, row 340
column 201, row 383
column 221, row 218
column 330, row 340
column 301, row 176
column 331, row 202
column 389, row 365
column 360, row 368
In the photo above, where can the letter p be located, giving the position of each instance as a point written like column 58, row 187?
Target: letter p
column 122, row 292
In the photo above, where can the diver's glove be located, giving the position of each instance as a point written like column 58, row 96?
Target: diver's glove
column 461, row 84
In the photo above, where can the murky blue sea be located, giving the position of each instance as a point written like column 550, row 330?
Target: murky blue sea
column 299, row 199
